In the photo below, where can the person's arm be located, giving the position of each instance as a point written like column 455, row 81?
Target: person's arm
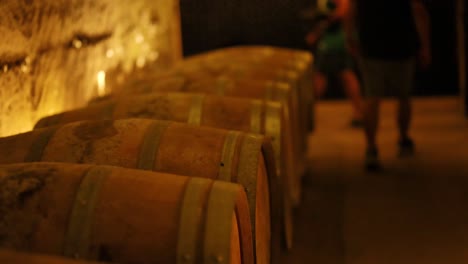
column 422, row 20
column 349, row 25
column 317, row 32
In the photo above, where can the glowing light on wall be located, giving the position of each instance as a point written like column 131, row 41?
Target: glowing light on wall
column 110, row 53
column 139, row 38
column 101, row 82
column 77, row 44
column 141, row 61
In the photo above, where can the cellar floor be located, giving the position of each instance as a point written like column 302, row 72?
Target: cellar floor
column 415, row 211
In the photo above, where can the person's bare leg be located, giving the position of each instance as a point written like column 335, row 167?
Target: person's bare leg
column 371, row 121
column 403, row 81
column 320, row 85
column 404, row 117
column 405, row 142
column 374, row 83
column 352, row 88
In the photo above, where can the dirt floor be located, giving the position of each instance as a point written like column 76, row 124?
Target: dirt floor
column 415, row 211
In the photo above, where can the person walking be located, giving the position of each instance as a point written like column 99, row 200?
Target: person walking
column 332, row 58
column 390, row 36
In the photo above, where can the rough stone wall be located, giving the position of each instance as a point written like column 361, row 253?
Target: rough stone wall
column 57, row 54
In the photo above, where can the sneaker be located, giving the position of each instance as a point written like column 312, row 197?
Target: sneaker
column 406, row 147
column 372, row 162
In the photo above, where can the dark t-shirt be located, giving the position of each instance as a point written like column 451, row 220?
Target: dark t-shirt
column 386, row 29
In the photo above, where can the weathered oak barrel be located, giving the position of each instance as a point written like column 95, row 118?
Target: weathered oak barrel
column 120, row 215
column 168, row 147
column 14, row 257
column 248, row 115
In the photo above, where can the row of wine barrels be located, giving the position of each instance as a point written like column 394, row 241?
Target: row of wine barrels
column 291, row 66
column 231, row 69
column 192, row 73
column 14, row 257
column 263, row 117
column 171, row 148
column 245, row 63
column 239, row 59
column 166, row 147
column 111, row 214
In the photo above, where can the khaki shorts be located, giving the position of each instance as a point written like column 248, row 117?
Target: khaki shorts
column 381, row 77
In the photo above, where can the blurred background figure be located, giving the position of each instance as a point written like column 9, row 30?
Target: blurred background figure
column 393, row 36
column 327, row 38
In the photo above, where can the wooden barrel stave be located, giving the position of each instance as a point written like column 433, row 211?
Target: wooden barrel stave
column 89, row 212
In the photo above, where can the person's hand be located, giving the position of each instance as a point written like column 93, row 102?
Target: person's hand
column 424, row 57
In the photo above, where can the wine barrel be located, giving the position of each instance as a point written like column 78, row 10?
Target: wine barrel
column 167, row 147
column 248, row 115
column 14, row 257
column 120, row 215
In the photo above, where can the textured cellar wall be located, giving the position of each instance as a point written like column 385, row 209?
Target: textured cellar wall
column 57, row 54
